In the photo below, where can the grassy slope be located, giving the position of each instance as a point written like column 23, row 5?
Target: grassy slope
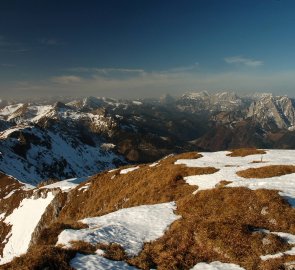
column 217, row 224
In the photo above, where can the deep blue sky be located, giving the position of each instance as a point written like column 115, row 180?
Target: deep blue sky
column 146, row 48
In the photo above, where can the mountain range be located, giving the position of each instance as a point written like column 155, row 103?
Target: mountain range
column 52, row 139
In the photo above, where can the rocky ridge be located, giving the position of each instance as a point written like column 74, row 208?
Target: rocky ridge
column 44, row 140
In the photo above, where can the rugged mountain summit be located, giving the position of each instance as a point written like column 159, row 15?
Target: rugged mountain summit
column 203, row 101
column 59, row 140
column 54, row 141
column 273, row 112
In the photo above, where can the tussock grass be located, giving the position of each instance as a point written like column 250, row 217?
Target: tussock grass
column 49, row 235
column 218, row 224
column 113, row 251
column 286, row 262
column 223, row 183
column 146, row 185
column 267, row 171
column 243, row 152
column 42, row 257
column 83, row 247
column 173, row 158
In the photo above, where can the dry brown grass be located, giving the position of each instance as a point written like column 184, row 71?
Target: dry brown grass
column 113, row 251
column 173, row 158
column 42, row 257
column 222, row 184
column 285, row 262
column 243, row 152
column 110, row 191
column 49, row 235
column 267, row 171
column 147, row 185
column 83, row 247
column 219, row 224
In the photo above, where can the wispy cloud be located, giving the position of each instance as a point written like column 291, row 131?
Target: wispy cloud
column 243, row 61
column 130, row 71
column 130, row 83
column 11, row 47
column 106, row 71
column 184, row 68
column 154, row 84
column 66, row 79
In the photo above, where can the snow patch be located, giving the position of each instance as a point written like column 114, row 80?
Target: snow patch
column 229, row 166
column 66, row 185
column 96, row 262
column 129, row 227
column 154, row 164
column 125, row 171
column 217, row 266
column 23, row 220
column 9, row 194
column 107, row 146
column 135, row 102
column 2, row 215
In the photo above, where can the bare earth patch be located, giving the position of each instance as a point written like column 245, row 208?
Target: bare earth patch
column 267, row 171
column 243, row 152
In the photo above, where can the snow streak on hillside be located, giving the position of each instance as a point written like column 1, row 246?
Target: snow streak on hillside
column 23, row 220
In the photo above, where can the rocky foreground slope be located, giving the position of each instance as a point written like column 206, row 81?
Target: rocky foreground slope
column 221, row 210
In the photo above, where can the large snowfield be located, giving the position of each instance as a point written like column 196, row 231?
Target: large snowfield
column 229, row 166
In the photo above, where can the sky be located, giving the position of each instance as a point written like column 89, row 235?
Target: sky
column 146, row 48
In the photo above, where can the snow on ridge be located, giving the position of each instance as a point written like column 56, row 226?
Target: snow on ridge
column 4, row 134
column 129, row 227
column 154, row 164
column 7, row 110
column 23, row 219
column 39, row 157
column 66, row 185
column 125, row 171
column 136, row 102
column 40, row 112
